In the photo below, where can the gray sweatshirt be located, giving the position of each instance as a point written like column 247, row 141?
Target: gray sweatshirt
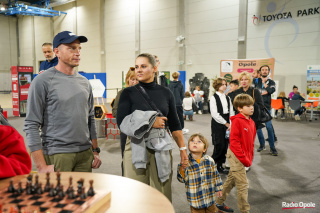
column 62, row 105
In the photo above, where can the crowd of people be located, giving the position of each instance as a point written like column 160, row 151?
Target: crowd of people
column 61, row 132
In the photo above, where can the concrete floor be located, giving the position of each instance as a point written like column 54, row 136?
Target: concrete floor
column 293, row 176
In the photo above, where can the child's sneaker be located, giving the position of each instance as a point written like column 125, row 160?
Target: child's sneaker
column 224, row 208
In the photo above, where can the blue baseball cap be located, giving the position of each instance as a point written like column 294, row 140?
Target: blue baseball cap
column 67, row 37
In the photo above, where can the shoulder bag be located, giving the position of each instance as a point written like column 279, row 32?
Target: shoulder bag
column 264, row 113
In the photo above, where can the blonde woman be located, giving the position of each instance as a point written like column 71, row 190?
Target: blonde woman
column 130, row 80
column 245, row 81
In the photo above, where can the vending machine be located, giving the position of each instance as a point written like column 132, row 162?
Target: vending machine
column 21, row 77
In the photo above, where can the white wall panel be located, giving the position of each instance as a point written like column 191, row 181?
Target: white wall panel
column 292, row 56
column 119, row 41
column 25, row 40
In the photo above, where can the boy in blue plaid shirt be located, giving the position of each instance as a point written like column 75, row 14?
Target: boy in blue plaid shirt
column 201, row 178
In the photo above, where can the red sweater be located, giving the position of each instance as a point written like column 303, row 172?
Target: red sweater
column 14, row 158
column 242, row 135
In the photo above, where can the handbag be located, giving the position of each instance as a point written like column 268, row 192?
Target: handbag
column 264, row 115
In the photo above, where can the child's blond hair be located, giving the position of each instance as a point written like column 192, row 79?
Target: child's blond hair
column 282, row 94
column 202, row 138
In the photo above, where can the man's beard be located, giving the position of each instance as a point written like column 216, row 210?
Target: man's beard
column 264, row 76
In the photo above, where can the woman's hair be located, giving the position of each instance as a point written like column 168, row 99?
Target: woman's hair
column 187, row 94
column 282, row 94
column 129, row 75
column 151, row 58
column 217, row 83
column 175, row 75
column 242, row 100
column 202, row 138
column 294, row 86
column 247, row 75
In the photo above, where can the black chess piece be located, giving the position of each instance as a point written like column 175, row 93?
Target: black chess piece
column 80, row 185
column 71, row 193
column 20, row 189
column 36, row 184
column 11, row 188
column 58, row 181
column 39, row 189
column 52, row 191
column 61, row 193
column 47, row 186
column 70, row 185
column 29, row 188
column 83, row 194
column 91, row 191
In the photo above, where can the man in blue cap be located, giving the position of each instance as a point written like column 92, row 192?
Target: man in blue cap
column 60, row 102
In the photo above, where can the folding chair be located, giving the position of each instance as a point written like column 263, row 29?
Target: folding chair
column 296, row 105
column 277, row 104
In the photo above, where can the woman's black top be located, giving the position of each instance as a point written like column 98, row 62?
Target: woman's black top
column 162, row 97
column 258, row 104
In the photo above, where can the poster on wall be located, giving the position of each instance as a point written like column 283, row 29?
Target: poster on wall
column 313, row 81
column 231, row 69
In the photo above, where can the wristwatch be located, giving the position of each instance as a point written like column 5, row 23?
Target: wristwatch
column 97, row 149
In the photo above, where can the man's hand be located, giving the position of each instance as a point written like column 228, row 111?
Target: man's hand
column 160, row 122
column 96, row 161
column 45, row 169
column 184, row 159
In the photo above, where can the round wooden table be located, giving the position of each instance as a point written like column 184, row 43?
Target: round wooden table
column 127, row 195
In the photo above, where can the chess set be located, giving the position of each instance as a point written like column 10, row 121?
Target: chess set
column 33, row 197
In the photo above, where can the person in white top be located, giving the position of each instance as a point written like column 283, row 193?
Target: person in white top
column 187, row 106
column 221, row 110
column 198, row 96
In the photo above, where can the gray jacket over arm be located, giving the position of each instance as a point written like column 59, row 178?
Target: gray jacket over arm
column 138, row 126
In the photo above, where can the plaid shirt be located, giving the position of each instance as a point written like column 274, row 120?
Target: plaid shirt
column 202, row 181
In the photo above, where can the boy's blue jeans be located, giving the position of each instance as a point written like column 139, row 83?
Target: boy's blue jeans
column 270, row 135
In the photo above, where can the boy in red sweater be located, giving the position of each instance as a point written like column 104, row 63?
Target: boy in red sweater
column 14, row 158
column 240, row 153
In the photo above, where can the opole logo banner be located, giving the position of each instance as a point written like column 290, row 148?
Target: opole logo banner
column 231, row 69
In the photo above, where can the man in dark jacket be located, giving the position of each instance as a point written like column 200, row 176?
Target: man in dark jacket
column 177, row 89
column 266, row 87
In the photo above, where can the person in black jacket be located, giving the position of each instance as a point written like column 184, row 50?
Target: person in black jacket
column 245, row 81
column 177, row 89
column 159, row 76
column 266, row 87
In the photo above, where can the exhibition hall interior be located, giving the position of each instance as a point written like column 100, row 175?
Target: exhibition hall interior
column 159, row 106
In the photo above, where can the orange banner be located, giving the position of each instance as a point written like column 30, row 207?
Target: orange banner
column 231, row 69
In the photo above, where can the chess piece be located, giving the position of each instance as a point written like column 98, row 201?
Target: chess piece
column 71, row 193
column 29, row 188
column 52, row 191
column 91, row 191
column 20, row 189
column 58, row 181
column 47, row 186
column 61, row 192
column 83, row 194
column 39, row 189
column 11, row 188
column 70, row 185
column 36, row 184
column 80, row 185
